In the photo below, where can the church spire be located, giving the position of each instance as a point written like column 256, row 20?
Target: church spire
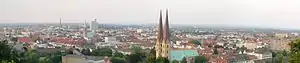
column 160, row 28
column 166, row 28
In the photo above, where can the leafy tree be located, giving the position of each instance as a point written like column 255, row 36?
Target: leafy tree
column 134, row 58
column 118, row 60
column 175, row 61
column 9, row 55
column 138, row 55
column 200, row 59
column 45, row 60
column 295, row 51
column 102, row 52
column 216, row 51
column 5, row 51
column 153, row 51
column 183, row 60
column 150, row 59
column 162, row 60
column 5, row 61
column 15, row 39
column 119, row 54
column 86, row 52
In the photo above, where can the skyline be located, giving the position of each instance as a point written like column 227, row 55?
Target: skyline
column 257, row 13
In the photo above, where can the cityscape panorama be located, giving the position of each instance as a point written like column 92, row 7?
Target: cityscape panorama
column 149, row 31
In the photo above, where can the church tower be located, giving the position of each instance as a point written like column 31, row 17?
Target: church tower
column 159, row 38
column 162, row 46
column 166, row 41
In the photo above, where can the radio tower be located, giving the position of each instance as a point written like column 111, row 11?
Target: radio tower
column 60, row 26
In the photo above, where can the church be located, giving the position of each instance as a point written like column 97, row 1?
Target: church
column 162, row 46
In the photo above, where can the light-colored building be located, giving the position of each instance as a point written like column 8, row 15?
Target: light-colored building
column 281, row 35
column 84, row 59
column 250, row 45
column 94, row 25
column 110, row 39
column 280, row 45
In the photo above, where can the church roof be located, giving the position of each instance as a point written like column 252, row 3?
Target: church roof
column 179, row 54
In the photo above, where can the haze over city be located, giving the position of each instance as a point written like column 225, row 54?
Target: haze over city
column 257, row 13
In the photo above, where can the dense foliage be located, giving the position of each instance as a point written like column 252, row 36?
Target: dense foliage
column 295, row 51
column 9, row 55
column 200, row 59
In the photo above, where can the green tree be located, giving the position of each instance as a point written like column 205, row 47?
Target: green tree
column 138, row 55
column 118, row 60
column 29, row 57
column 86, row 52
column 183, row 60
column 175, row 61
column 295, row 51
column 5, row 51
column 162, row 60
column 200, row 59
column 151, row 57
column 45, row 60
column 5, row 61
column 119, row 54
column 106, row 51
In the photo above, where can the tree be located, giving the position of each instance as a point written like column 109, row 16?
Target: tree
column 119, row 54
column 183, row 60
column 45, row 60
column 162, row 60
column 175, row 61
column 5, row 61
column 5, row 51
column 102, row 52
column 295, row 51
column 134, row 58
column 118, row 60
column 86, row 52
column 216, row 51
column 138, row 55
column 15, row 39
column 200, row 59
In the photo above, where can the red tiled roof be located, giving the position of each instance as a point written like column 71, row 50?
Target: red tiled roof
column 24, row 39
column 74, row 41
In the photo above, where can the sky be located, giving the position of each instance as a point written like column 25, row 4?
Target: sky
column 258, row 13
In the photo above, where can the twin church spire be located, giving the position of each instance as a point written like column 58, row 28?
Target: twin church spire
column 162, row 45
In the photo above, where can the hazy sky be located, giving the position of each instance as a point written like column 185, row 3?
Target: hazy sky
column 262, row 13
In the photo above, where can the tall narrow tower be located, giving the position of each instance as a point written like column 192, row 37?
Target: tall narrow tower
column 60, row 23
column 162, row 45
column 166, row 41
column 85, row 29
column 159, row 39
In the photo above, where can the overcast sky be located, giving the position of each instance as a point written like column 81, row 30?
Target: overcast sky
column 260, row 13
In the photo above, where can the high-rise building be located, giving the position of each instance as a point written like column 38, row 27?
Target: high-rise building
column 94, row 25
column 162, row 45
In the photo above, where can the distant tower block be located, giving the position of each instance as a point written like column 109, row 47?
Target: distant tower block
column 94, row 25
